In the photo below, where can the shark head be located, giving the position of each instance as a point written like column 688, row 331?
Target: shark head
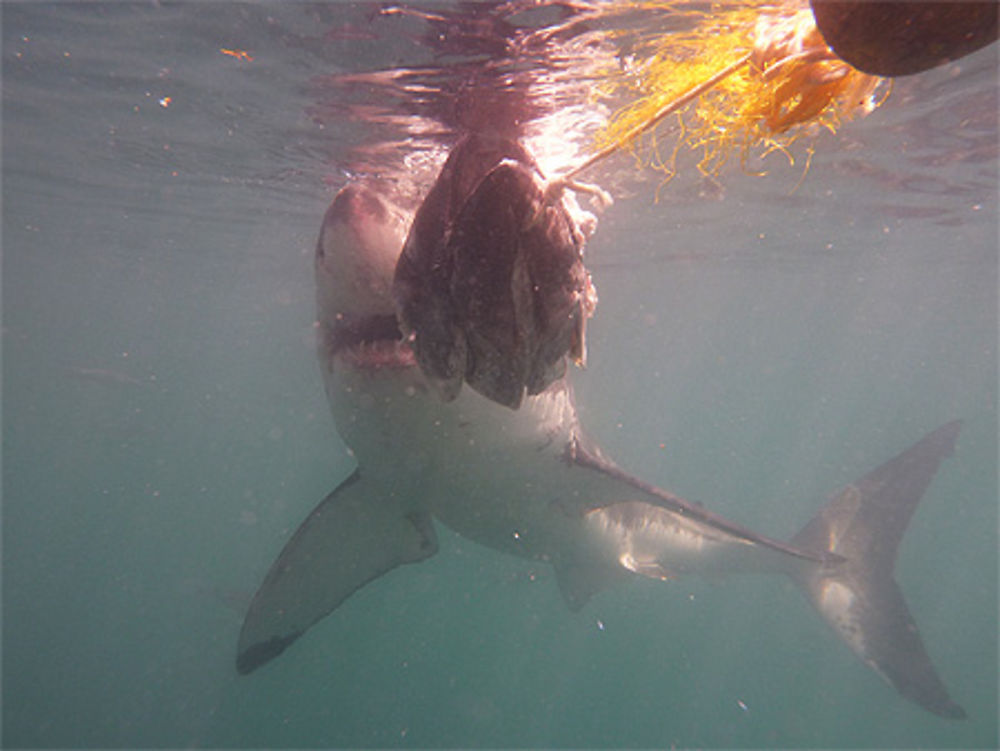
column 484, row 286
column 359, row 244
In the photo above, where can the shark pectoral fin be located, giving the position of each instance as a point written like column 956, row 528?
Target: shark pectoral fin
column 348, row 540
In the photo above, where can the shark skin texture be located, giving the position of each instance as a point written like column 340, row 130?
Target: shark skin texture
column 518, row 473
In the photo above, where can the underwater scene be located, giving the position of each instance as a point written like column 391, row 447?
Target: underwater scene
column 655, row 403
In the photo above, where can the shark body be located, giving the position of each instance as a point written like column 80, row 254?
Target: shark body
column 529, row 482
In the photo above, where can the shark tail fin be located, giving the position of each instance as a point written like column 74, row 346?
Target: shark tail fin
column 858, row 596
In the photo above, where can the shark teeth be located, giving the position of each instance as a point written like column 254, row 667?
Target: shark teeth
column 379, row 355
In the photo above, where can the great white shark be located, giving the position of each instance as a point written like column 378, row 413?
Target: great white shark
column 524, row 478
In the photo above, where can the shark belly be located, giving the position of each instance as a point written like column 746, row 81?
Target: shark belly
column 500, row 477
column 491, row 474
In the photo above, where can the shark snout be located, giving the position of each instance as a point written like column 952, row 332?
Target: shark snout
column 360, row 241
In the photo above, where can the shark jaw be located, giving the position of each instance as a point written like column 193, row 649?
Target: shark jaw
column 529, row 482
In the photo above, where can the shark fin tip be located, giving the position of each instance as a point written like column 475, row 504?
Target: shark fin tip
column 257, row 654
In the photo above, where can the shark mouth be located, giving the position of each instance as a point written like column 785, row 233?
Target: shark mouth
column 371, row 342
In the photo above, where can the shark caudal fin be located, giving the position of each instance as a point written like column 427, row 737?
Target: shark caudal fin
column 859, row 597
